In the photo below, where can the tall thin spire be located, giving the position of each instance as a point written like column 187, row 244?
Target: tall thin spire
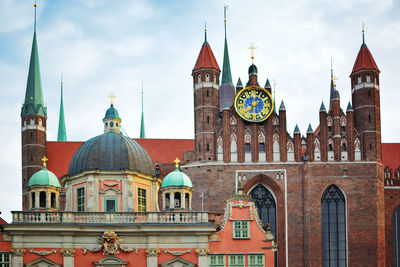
column 142, row 131
column 205, row 31
column 34, row 23
column 33, row 103
column 363, row 30
column 62, row 132
column 226, row 68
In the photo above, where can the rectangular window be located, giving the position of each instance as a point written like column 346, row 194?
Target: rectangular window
column 5, row 259
column 256, row 260
column 241, row 229
column 217, row 260
column 236, row 260
column 80, row 192
column 247, row 147
column 261, row 147
column 141, row 200
column 110, row 205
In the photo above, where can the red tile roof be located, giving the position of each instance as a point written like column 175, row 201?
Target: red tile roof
column 391, row 155
column 364, row 60
column 206, row 59
column 160, row 150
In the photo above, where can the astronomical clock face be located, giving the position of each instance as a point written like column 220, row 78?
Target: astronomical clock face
column 254, row 104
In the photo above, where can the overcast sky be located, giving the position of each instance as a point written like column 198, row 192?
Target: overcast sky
column 102, row 46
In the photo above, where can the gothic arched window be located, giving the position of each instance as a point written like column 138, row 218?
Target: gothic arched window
column 396, row 237
column 333, row 217
column 266, row 206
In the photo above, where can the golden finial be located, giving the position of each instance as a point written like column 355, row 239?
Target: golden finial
column 112, row 96
column 334, row 80
column 363, row 30
column 252, row 47
column 177, row 162
column 44, row 159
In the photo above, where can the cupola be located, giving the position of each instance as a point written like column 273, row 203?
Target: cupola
column 112, row 121
column 177, row 189
column 44, row 190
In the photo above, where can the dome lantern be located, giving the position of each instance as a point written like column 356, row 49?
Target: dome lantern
column 112, row 121
column 177, row 189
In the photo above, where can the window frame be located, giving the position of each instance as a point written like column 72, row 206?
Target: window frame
column 217, row 264
column 141, row 200
column 3, row 261
column 230, row 264
column 256, row 264
column 116, row 203
column 78, row 204
column 241, row 229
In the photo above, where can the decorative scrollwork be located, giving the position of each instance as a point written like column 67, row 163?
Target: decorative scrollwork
column 129, row 250
column 177, row 252
column 18, row 251
column 43, row 252
column 152, row 252
column 202, row 251
column 93, row 250
column 68, row 252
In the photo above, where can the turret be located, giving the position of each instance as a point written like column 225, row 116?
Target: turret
column 366, row 103
column 111, row 120
column 33, row 122
column 206, row 102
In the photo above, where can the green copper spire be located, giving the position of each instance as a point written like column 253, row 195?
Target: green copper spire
column 62, row 133
column 226, row 68
column 33, row 103
column 142, row 132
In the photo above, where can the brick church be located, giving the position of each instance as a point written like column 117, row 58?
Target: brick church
column 329, row 197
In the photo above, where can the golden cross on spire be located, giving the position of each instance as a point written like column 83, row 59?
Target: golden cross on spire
column 44, row 159
column 177, row 162
column 252, row 47
column 334, row 80
column 112, row 96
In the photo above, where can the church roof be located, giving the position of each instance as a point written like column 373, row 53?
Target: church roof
column 391, row 155
column 206, row 59
column 364, row 60
column 44, row 177
column 112, row 113
column 111, row 151
column 161, row 151
column 176, row 178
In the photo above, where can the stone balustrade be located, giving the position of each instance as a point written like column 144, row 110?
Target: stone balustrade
column 179, row 217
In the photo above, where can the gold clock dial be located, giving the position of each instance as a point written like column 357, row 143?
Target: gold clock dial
column 254, row 104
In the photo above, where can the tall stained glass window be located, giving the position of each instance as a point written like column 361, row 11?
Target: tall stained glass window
column 333, row 217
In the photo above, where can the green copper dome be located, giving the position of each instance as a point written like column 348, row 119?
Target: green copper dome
column 111, row 113
column 44, row 177
column 176, row 178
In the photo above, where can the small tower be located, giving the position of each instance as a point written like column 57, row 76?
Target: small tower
column 176, row 190
column 366, row 103
column 62, row 132
column 44, row 190
column 206, row 102
column 112, row 121
column 33, row 121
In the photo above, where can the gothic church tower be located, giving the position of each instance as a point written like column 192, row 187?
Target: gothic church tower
column 33, row 122
column 366, row 103
column 206, row 102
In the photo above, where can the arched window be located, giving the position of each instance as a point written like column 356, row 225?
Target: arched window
column 199, row 78
column 396, row 238
column 207, row 77
column 333, row 218
column 266, row 209
column 233, row 147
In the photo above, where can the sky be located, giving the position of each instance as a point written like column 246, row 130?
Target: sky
column 113, row 46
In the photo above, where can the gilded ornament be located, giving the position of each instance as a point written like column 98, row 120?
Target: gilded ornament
column 152, row 252
column 43, row 252
column 202, row 251
column 111, row 243
column 68, row 251
column 18, row 251
column 177, row 252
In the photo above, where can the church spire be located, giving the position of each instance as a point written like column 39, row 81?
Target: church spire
column 142, row 131
column 62, row 132
column 226, row 68
column 33, row 103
